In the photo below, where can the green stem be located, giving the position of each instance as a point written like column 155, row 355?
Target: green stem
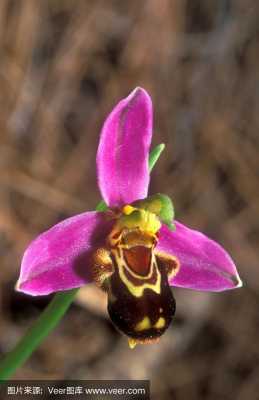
column 53, row 313
column 38, row 331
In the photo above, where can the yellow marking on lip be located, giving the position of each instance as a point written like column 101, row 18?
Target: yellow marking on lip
column 143, row 325
column 138, row 291
column 160, row 323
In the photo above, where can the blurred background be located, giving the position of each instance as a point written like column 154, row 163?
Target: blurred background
column 63, row 65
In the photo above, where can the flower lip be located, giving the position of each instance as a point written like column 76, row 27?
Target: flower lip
column 140, row 303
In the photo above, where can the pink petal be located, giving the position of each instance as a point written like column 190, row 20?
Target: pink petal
column 122, row 157
column 204, row 264
column 60, row 258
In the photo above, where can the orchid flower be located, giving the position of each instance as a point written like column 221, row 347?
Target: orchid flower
column 134, row 249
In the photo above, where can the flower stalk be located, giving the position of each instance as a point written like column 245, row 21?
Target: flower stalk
column 40, row 329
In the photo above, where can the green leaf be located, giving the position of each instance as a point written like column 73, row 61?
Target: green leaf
column 161, row 205
column 154, row 155
column 101, row 206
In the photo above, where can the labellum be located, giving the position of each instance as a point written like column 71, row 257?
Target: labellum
column 135, row 276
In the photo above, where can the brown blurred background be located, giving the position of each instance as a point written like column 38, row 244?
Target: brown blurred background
column 63, row 65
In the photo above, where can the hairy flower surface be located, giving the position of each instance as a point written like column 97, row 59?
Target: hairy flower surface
column 134, row 250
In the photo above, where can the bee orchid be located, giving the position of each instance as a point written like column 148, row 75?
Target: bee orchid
column 134, row 249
